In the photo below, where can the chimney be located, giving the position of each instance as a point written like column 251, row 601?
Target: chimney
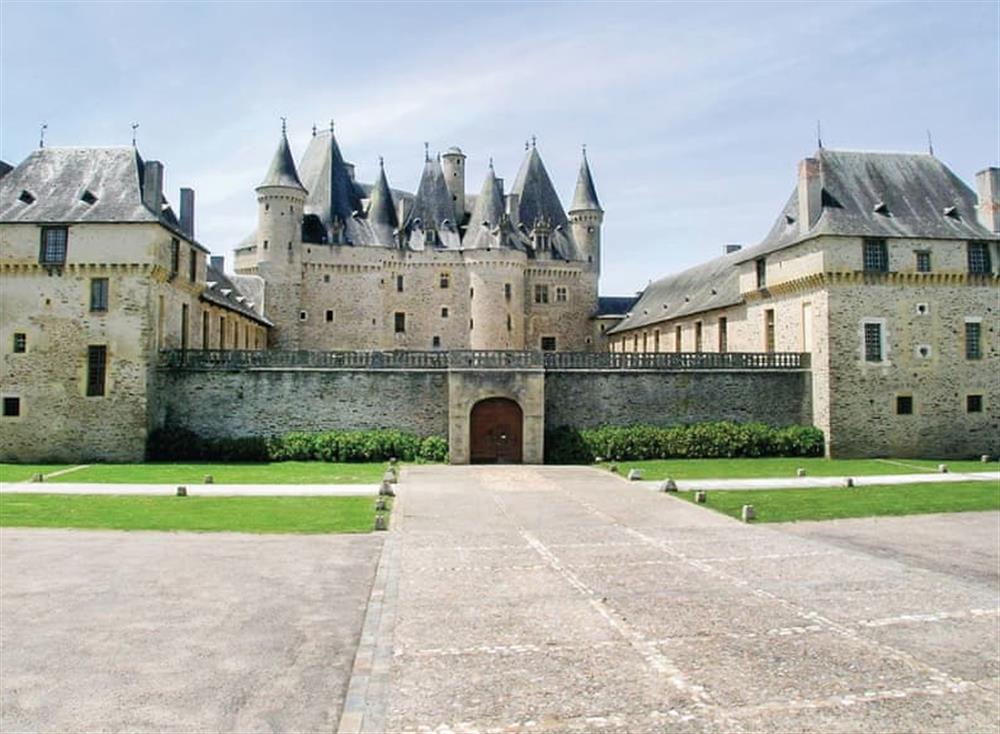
column 810, row 194
column 218, row 263
column 187, row 212
column 730, row 249
column 152, row 186
column 988, row 209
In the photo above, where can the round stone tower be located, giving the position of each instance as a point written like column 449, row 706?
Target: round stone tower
column 586, row 217
column 453, row 165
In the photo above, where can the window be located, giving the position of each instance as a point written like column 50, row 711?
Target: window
column 973, row 403
column 175, row 256
column 678, row 334
column 329, row 315
column 326, row 278
column 54, row 241
column 656, row 340
column 723, row 334
column 769, row 330
column 20, row 342
column 979, row 257
column 875, row 256
column 429, row 237
column 444, row 312
column 97, row 366
column 973, row 337
column 303, row 315
column 399, row 322
column 184, row 326
column 204, row 329
column 904, row 405
column 873, row 342
column 510, row 323
column 761, row 265
column 399, row 284
column 11, row 407
column 645, row 342
column 548, row 344
column 472, row 293
column 561, row 294
column 697, row 336
column 222, row 332
column 98, row 294
column 435, row 342
column 471, row 323
column 444, row 280
column 507, row 290
column 541, row 240
column 635, row 342
column 193, row 265
column 541, row 294
column 923, row 261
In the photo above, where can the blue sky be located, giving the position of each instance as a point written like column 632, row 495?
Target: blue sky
column 695, row 115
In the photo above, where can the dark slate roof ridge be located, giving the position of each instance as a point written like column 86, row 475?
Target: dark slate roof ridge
column 707, row 286
column 615, row 306
column 585, row 195
column 213, row 294
column 282, row 170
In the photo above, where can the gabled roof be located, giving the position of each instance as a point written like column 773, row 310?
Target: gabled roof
column 711, row 285
column 221, row 291
column 282, row 169
column 880, row 195
column 585, row 195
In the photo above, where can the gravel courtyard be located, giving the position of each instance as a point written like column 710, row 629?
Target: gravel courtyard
column 178, row 632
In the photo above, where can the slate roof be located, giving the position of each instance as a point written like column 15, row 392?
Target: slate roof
column 915, row 189
column 539, row 202
column 282, row 169
column 614, row 306
column 382, row 210
column 710, row 285
column 5, row 168
column 80, row 184
column 487, row 213
column 585, row 195
column 221, row 291
column 433, row 208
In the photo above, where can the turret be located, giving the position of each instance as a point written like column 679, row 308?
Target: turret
column 453, row 165
column 586, row 217
column 280, row 197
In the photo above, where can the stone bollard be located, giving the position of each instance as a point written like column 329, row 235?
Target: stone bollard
column 668, row 486
column 393, row 461
column 849, row 482
column 380, row 523
column 943, row 468
column 380, row 504
column 209, row 479
column 389, row 476
column 613, row 468
column 800, row 472
column 182, row 491
column 386, row 489
column 748, row 513
column 700, row 496
column 634, row 475
column 985, row 458
column 37, row 477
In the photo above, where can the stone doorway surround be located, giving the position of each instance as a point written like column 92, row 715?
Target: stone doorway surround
column 495, row 432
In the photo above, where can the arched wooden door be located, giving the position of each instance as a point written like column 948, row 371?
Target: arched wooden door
column 495, row 432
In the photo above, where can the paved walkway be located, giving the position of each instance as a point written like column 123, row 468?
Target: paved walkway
column 814, row 482
column 529, row 599
column 195, row 490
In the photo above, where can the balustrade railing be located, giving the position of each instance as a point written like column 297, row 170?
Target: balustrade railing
column 482, row 359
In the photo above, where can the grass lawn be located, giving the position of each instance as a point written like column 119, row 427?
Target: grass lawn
column 206, row 514
column 785, row 467
column 23, row 472
column 279, row 472
column 786, row 505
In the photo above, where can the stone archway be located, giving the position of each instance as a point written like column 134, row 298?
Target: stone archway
column 496, row 430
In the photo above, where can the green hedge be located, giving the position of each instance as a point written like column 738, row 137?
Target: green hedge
column 723, row 439
column 178, row 444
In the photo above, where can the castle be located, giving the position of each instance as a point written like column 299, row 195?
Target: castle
column 869, row 310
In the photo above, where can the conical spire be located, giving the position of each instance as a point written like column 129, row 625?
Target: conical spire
column 382, row 210
column 487, row 213
column 282, row 171
column 585, row 197
column 537, row 197
column 333, row 196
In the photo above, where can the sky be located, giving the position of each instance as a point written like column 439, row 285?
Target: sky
column 695, row 115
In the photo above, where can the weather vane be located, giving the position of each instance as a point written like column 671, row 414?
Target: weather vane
column 284, row 125
column 819, row 135
column 135, row 126
column 41, row 135
column 930, row 143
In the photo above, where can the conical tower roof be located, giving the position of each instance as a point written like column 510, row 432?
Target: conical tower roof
column 585, row 196
column 282, row 171
column 332, row 194
column 487, row 213
column 382, row 211
column 537, row 197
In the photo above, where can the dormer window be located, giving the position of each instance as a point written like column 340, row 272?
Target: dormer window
column 541, row 240
column 951, row 211
column 429, row 237
column 882, row 208
column 761, row 270
column 87, row 197
column 26, row 197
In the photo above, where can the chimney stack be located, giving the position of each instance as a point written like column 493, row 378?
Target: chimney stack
column 152, row 186
column 187, row 212
column 810, row 194
column 988, row 209
column 730, row 249
column 218, row 263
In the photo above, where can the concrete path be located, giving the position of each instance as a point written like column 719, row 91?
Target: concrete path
column 814, row 482
column 527, row 599
column 195, row 490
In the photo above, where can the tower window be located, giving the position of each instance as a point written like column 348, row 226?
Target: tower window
column 326, row 278
column 303, row 315
column 510, row 323
column 769, row 330
column 973, row 403
column 904, row 405
column 548, row 344
column 97, row 367
column 98, row 294
column 444, row 312
column 329, row 315
column 875, row 255
column 399, row 322
column 979, row 257
column 507, row 290
column 20, row 342
column 435, row 342
column 562, row 294
column 973, row 340
column 54, row 241
column 11, row 407
column 541, row 294
column 444, row 280
column 873, row 342
column 399, row 284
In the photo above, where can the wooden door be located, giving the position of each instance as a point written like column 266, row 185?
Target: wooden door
column 495, row 430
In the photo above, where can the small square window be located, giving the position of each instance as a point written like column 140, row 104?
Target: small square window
column 444, row 280
column 20, row 342
column 876, row 256
column 973, row 403
column 923, row 261
column 329, row 315
column 326, row 278
column 435, row 342
column 904, row 405
column 98, row 294
column 303, row 315
column 561, row 294
column 11, row 407
column 548, row 344
column 444, row 312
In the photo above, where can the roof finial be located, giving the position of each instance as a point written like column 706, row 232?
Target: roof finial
column 533, row 141
column 584, row 146
column 284, row 127
column 331, row 126
column 381, row 163
column 930, row 143
column 427, row 152
column 819, row 135
column 525, row 144
column 41, row 135
column 135, row 126
column 491, row 163
column 314, row 129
